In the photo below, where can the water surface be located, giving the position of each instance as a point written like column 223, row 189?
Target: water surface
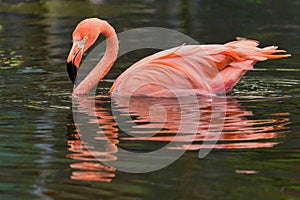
column 43, row 157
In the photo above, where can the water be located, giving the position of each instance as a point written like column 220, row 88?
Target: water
column 43, row 157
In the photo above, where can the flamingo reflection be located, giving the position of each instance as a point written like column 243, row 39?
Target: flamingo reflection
column 158, row 120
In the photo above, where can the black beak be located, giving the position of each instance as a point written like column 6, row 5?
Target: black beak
column 72, row 71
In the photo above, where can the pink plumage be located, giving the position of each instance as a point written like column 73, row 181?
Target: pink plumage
column 183, row 70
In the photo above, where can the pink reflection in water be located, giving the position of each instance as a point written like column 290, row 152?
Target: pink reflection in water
column 237, row 125
column 89, row 168
column 240, row 171
column 158, row 120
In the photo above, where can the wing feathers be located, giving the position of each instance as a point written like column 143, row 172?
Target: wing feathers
column 195, row 66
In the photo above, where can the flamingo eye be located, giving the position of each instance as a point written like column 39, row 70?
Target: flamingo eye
column 85, row 37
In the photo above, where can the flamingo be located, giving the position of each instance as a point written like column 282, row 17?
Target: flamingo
column 184, row 68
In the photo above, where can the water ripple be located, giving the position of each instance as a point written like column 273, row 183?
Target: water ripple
column 157, row 121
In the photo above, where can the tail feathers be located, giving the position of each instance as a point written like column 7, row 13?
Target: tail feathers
column 248, row 50
column 269, row 53
column 245, row 65
column 241, row 56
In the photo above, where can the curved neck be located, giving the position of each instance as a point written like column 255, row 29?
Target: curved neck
column 104, row 65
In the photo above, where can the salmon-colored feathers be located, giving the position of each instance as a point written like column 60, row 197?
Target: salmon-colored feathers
column 197, row 68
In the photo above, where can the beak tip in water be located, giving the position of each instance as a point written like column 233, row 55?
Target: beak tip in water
column 72, row 71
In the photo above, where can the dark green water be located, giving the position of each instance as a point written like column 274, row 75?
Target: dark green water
column 42, row 156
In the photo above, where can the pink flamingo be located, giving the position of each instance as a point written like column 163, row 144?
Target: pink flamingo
column 184, row 68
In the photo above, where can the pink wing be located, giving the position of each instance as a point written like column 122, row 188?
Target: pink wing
column 190, row 69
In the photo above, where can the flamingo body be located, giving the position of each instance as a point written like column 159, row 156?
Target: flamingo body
column 183, row 70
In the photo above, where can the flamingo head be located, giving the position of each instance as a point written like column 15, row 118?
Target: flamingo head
column 84, row 36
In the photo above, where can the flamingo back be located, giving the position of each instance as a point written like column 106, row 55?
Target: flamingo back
column 192, row 69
